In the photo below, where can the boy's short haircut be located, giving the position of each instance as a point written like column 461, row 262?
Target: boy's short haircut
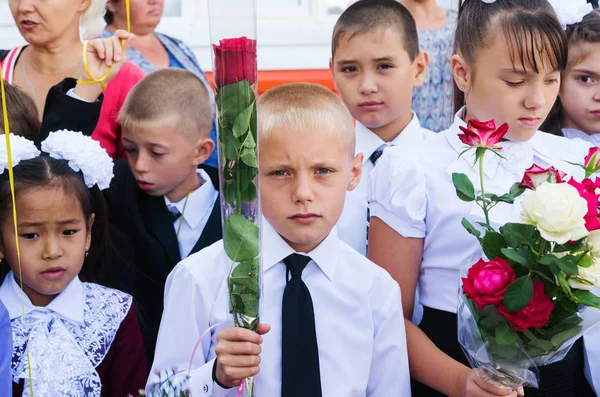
column 297, row 107
column 165, row 95
column 23, row 116
column 366, row 16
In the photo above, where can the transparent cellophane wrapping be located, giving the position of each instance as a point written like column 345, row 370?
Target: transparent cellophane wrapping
column 514, row 365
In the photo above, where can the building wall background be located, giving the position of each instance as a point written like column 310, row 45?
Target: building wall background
column 292, row 34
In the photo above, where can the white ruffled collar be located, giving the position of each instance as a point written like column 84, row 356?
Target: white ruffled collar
column 69, row 304
column 573, row 133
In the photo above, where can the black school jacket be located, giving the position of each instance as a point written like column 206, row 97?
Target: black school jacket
column 145, row 245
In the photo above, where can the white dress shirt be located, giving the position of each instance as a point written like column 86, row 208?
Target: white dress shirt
column 411, row 190
column 358, row 317
column 572, row 133
column 352, row 226
column 193, row 219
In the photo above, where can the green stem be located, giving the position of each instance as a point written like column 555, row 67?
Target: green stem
column 238, row 190
column 484, row 207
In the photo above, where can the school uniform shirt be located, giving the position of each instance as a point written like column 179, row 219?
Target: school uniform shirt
column 358, row 317
column 5, row 352
column 411, row 190
column 573, row 133
column 194, row 212
column 352, row 226
column 85, row 342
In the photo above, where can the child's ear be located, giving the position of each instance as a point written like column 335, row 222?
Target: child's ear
column 88, row 237
column 204, row 148
column 461, row 72
column 421, row 63
column 356, row 171
column 332, row 74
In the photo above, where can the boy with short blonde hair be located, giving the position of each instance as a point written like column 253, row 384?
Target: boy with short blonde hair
column 336, row 326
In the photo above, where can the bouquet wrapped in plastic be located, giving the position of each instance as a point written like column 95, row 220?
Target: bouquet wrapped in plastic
column 526, row 303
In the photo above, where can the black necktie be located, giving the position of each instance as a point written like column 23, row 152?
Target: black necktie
column 373, row 157
column 376, row 155
column 174, row 212
column 300, row 374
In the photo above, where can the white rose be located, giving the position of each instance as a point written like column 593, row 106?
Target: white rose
column 590, row 274
column 557, row 210
column 593, row 241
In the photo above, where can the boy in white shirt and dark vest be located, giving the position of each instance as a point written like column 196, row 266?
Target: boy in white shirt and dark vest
column 352, row 334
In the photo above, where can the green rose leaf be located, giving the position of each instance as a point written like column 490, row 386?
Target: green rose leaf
column 242, row 121
column 560, row 338
column 249, row 142
column 249, row 193
column 240, row 238
column 464, row 187
column 518, row 234
column 232, row 99
column 586, row 298
column 505, row 335
column 492, row 244
column 585, row 261
column 520, row 256
column 248, row 156
column 250, row 304
column 470, row 228
column 518, row 294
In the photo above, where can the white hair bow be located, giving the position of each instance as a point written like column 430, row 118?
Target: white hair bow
column 570, row 12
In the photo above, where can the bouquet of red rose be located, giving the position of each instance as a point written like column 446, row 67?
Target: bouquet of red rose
column 523, row 306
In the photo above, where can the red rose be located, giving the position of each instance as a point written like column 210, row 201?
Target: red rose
column 536, row 175
column 535, row 315
column 587, row 190
column 592, row 160
column 235, row 60
column 482, row 134
column 486, row 282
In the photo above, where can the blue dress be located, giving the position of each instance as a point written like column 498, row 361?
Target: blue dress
column 433, row 102
column 5, row 352
column 180, row 56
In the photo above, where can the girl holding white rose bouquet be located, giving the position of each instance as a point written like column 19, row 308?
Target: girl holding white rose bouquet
column 511, row 76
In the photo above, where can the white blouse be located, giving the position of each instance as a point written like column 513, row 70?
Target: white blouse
column 411, row 190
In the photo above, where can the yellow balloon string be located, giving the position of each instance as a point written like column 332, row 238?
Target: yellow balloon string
column 11, row 180
column 92, row 79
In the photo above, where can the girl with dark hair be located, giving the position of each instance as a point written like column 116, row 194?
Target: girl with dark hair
column 80, row 338
column 509, row 55
column 576, row 113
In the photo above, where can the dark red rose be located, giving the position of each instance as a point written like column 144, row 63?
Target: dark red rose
column 486, row 282
column 482, row 134
column 235, row 60
column 536, row 175
column 535, row 315
column 587, row 190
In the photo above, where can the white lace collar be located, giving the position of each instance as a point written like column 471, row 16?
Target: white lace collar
column 64, row 353
column 68, row 304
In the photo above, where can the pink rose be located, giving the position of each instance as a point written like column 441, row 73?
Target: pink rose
column 482, row 134
column 535, row 315
column 536, row 175
column 486, row 282
column 587, row 190
column 592, row 160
